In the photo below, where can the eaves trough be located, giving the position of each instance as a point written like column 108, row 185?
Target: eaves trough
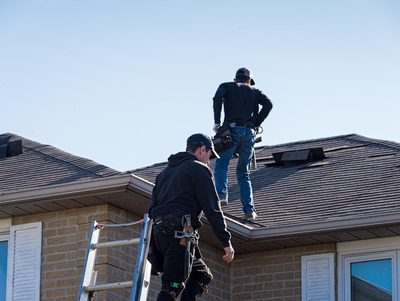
column 133, row 194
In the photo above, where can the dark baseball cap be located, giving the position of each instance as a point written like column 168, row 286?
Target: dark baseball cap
column 244, row 72
column 200, row 140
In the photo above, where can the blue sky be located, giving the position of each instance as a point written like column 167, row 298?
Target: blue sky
column 124, row 83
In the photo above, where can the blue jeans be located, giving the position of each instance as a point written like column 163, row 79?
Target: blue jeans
column 243, row 139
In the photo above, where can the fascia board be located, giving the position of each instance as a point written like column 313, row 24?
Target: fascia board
column 325, row 226
column 141, row 184
column 79, row 188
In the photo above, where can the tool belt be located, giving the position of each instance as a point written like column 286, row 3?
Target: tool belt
column 223, row 139
column 168, row 223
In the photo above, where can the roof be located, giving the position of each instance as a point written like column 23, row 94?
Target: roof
column 45, row 179
column 352, row 193
column 358, row 180
column 44, row 165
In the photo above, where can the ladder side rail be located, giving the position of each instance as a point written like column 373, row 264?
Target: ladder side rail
column 142, row 262
column 89, row 263
column 146, row 282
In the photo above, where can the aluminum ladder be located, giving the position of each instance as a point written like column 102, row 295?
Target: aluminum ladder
column 141, row 281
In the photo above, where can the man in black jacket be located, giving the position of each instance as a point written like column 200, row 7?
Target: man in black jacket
column 241, row 103
column 185, row 187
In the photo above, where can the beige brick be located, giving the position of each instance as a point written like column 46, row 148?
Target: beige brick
column 46, row 267
column 48, row 250
column 49, row 233
column 66, row 248
column 282, row 259
column 59, row 223
column 273, row 285
column 242, row 297
column 55, row 275
column 274, row 268
column 262, row 295
column 67, row 230
column 244, row 263
column 59, row 240
column 55, row 292
column 292, row 284
column 29, row 219
column 293, row 266
column 66, row 265
column 47, row 284
column 283, row 276
column 55, row 257
column 294, row 298
column 72, row 221
column 241, row 280
column 66, row 282
column 263, row 278
column 283, row 293
column 46, row 216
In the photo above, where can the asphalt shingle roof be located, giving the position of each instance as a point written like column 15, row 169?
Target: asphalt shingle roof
column 44, row 165
column 359, row 177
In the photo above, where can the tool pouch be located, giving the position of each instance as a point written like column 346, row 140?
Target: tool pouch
column 223, row 139
column 170, row 223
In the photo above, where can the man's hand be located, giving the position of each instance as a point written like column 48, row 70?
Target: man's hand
column 216, row 127
column 229, row 254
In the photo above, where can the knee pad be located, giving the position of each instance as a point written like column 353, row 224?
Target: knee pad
column 172, row 289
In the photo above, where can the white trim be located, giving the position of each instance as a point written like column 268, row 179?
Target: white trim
column 367, row 250
column 5, row 225
column 322, row 270
column 20, row 248
column 369, row 245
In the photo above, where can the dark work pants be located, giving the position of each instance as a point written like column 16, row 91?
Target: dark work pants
column 169, row 258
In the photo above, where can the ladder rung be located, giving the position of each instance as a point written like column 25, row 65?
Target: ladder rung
column 108, row 286
column 116, row 243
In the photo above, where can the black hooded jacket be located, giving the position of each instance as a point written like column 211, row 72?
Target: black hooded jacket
column 186, row 185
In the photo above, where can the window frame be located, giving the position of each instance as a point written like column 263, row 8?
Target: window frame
column 367, row 250
column 5, row 225
column 15, row 254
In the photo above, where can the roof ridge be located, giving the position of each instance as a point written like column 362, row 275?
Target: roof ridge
column 261, row 148
column 387, row 143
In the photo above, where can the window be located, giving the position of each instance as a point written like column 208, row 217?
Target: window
column 368, row 270
column 20, row 261
column 4, row 237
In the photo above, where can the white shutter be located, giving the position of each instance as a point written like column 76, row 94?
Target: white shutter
column 318, row 277
column 24, row 261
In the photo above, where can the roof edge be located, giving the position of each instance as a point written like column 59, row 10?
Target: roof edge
column 81, row 188
column 325, row 226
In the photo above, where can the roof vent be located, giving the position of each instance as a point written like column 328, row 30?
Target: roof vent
column 292, row 158
column 9, row 148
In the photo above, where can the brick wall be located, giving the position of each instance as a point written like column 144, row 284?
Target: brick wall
column 64, row 242
column 273, row 275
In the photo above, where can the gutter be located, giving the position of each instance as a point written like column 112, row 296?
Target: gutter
column 317, row 227
column 60, row 191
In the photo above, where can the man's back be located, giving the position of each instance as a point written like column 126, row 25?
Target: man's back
column 241, row 104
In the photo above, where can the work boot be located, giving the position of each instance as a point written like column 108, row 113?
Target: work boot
column 250, row 215
column 223, row 201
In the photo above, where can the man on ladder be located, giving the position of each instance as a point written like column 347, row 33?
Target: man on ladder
column 183, row 190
